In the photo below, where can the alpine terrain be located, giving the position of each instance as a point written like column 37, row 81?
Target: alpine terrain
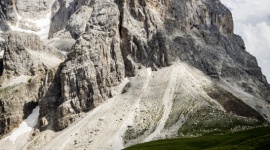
column 108, row 74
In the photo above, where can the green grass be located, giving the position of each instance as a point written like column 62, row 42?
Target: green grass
column 209, row 120
column 258, row 139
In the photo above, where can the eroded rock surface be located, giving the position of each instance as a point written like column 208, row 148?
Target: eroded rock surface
column 120, row 38
column 94, row 65
column 33, row 8
column 25, row 15
column 26, row 61
column 156, row 33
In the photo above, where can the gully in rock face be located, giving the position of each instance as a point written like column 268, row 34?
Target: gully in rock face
column 116, row 73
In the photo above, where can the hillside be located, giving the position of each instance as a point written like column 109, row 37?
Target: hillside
column 108, row 74
column 250, row 139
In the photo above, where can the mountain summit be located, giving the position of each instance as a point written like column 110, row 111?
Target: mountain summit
column 107, row 74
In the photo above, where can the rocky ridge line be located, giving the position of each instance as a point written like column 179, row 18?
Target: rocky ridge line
column 117, row 38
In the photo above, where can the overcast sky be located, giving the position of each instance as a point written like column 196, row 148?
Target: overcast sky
column 252, row 22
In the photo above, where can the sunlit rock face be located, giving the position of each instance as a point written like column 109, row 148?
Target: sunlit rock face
column 98, row 64
column 131, row 34
column 200, row 67
column 30, row 16
column 33, row 8
column 26, row 63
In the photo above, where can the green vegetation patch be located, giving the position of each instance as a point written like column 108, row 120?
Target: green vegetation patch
column 208, row 120
column 258, row 138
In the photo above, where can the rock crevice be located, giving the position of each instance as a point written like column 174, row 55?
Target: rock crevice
column 116, row 39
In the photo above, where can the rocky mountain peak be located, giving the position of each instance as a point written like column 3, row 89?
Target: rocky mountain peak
column 195, row 65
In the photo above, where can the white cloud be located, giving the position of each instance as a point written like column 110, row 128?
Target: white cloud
column 252, row 22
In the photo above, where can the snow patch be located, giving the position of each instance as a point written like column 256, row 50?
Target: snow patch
column 149, row 70
column 25, row 127
column 65, row 53
column 43, row 24
column 2, row 54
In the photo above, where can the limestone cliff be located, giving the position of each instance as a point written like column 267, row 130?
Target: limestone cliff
column 26, row 61
column 131, row 34
column 200, row 67
column 93, row 66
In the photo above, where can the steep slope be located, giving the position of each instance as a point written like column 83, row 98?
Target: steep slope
column 199, row 79
column 152, row 34
column 18, row 135
column 197, row 32
column 26, row 63
column 30, row 16
column 250, row 139
column 149, row 106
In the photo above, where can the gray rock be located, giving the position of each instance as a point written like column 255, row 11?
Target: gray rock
column 22, row 52
column 130, row 34
column 94, row 65
column 33, row 8
column 9, row 11
column 25, row 58
column 61, row 13
column 22, row 13
column 115, row 39
column 78, row 21
column 63, row 44
column 197, row 32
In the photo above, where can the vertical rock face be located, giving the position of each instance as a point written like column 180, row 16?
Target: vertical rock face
column 9, row 10
column 95, row 63
column 155, row 33
column 2, row 13
column 22, row 55
column 24, row 14
column 70, row 16
column 16, row 65
column 114, row 39
column 26, row 62
column 197, row 32
column 33, row 8
column 61, row 12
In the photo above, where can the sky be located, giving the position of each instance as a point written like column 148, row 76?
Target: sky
column 252, row 22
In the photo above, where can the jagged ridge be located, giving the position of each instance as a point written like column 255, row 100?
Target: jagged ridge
column 117, row 39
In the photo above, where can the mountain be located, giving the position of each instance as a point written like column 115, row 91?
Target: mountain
column 107, row 74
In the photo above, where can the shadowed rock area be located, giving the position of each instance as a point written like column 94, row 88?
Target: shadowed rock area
column 135, row 71
column 26, row 61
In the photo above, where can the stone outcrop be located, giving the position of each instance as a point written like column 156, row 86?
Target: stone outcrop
column 26, row 62
column 24, row 14
column 94, row 65
column 33, row 8
column 197, row 32
column 23, row 55
column 115, row 39
column 9, row 11
column 3, row 24
column 70, row 16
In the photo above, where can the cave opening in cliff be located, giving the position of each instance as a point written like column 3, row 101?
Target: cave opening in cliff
column 28, row 108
